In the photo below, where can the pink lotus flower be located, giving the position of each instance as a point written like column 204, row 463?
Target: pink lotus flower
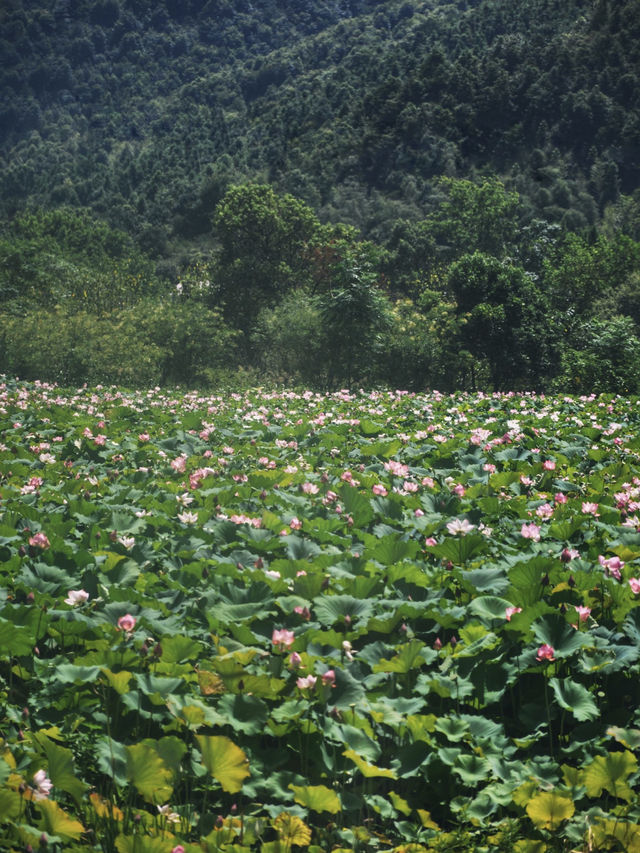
column 560, row 498
column 459, row 490
column 612, row 566
column 545, row 652
column 544, row 511
column 306, row 682
column 76, row 596
column 583, row 612
column 39, row 540
column 126, row 623
column 634, row 583
column 282, row 639
column 430, row 541
column 589, row 508
column 379, row 489
column 548, row 465
column 294, row 660
column 178, row 849
column 329, row 678
column 511, row 611
column 295, row 523
column 43, row 785
column 530, row 531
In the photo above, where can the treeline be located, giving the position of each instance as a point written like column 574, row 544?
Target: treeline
column 146, row 111
column 474, row 295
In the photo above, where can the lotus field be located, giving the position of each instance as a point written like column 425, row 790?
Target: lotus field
column 293, row 621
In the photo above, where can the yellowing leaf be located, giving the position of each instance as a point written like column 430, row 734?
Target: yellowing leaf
column 292, row 830
column 399, row 803
column 628, row 834
column 528, row 845
column 225, row 761
column 548, row 810
column 425, row 819
column 210, row 683
column 149, row 773
column 609, row 773
column 318, row 798
column 142, row 844
column 105, row 808
column 368, row 770
column 55, row 821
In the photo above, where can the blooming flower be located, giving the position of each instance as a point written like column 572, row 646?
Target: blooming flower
column 39, row 540
column 548, row 465
column 589, row 508
column 43, row 785
column 583, row 612
column 530, row 531
column 188, row 517
column 307, row 681
column 347, row 649
column 282, row 639
column 634, row 583
column 126, row 623
column 511, row 611
column 165, row 812
column 76, row 596
column 379, row 489
column 612, row 566
column 545, row 652
column 295, row 523
column 460, row 525
column 178, row 849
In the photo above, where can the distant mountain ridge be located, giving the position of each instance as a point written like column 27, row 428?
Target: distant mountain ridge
column 146, row 111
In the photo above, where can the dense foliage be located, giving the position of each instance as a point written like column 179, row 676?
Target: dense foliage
column 349, row 622
column 415, row 192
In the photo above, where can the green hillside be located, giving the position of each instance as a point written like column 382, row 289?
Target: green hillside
column 144, row 114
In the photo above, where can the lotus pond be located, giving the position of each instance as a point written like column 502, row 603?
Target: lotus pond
column 293, row 621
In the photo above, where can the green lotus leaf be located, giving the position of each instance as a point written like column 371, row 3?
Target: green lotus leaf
column 148, row 772
column 555, row 631
column 225, row 761
column 57, row 822
column 471, row 768
column 410, row 656
column 627, row 737
column 356, row 505
column 61, row 770
column 329, row 609
column 574, row 697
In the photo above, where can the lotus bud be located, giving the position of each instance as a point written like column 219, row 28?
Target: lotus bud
column 572, row 581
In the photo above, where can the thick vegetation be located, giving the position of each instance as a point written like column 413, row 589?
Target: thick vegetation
column 343, row 622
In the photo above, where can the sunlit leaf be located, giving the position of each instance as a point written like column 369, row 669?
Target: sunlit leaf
column 57, row 822
column 318, row 798
column 549, row 809
column 368, row 770
column 225, row 761
column 610, row 773
column 149, row 773
column 292, row 830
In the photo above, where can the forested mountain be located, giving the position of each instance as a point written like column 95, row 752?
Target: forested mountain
column 393, row 117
